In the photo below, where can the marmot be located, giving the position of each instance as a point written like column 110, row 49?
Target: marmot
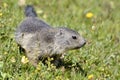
column 40, row 40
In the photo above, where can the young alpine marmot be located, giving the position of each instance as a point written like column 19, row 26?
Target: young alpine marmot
column 40, row 40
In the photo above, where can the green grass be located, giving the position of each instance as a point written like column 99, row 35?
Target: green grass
column 100, row 57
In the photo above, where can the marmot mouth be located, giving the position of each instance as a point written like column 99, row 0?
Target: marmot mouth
column 78, row 47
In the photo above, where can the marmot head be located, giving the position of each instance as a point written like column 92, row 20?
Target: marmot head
column 68, row 39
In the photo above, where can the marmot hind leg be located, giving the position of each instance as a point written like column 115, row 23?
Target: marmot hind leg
column 32, row 57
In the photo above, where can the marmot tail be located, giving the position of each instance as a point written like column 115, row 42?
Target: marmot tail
column 30, row 11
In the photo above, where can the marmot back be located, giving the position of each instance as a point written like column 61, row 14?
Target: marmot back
column 40, row 40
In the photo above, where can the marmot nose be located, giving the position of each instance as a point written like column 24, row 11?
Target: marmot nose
column 83, row 42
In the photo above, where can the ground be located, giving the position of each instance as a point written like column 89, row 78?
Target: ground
column 97, row 20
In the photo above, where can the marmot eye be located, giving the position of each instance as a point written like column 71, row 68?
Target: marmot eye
column 74, row 37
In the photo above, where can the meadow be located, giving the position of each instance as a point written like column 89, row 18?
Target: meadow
column 97, row 20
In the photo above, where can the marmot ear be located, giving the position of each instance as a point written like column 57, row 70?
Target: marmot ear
column 60, row 32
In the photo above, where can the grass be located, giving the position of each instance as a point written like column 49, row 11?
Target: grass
column 99, row 59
